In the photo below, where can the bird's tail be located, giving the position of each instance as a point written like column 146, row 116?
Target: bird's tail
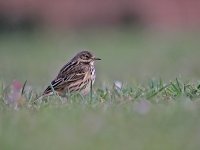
column 40, row 98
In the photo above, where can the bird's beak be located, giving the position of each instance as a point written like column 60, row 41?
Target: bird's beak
column 95, row 58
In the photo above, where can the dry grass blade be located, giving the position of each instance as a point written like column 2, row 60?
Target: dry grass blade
column 23, row 88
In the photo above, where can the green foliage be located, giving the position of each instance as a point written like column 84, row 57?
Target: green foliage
column 155, row 91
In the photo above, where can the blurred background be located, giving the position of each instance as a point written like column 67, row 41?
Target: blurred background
column 29, row 14
column 136, row 39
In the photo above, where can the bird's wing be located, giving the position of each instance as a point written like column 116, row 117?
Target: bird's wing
column 67, row 68
column 66, row 77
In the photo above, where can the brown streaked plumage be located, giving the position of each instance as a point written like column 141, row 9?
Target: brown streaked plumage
column 75, row 76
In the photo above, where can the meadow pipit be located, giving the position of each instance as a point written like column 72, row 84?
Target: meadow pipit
column 76, row 76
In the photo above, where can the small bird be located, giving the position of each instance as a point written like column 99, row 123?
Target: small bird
column 76, row 76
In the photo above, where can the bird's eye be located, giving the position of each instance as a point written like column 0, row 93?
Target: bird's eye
column 85, row 56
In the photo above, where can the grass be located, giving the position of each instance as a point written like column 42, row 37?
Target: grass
column 146, row 95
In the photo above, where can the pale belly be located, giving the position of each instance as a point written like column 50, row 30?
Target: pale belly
column 86, row 90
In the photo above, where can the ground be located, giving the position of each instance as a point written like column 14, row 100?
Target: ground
column 146, row 95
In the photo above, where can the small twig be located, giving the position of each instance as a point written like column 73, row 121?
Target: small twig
column 52, row 88
column 91, row 91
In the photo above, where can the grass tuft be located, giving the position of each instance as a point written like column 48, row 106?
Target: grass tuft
column 155, row 91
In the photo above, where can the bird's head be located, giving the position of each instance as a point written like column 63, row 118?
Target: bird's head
column 86, row 57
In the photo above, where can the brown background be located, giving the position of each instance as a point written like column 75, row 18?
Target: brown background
column 87, row 13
